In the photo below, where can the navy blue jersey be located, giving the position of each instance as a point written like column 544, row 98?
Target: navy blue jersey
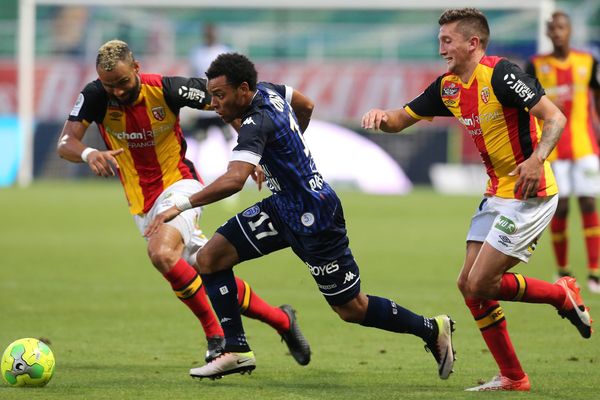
column 270, row 136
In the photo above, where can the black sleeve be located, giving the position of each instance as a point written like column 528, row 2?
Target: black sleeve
column 185, row 92
column 429, row 103
column 530, row 68
column 595, row 80
column 514, row 88
column 254, row 133
column 91, row 104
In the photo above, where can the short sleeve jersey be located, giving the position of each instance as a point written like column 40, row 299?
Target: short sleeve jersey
column 148, row 130
column 568, row 83
column 494, row 108
column 270, row 136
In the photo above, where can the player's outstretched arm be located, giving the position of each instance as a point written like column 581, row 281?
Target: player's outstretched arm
column 71, row 148
column 530, row 170
column 224, row 186
column 303, row 108
column 390, row 121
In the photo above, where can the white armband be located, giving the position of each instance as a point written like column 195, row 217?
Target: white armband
column 183, row 203
column 86, row 152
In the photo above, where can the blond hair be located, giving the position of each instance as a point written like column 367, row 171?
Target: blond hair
column 111, row 52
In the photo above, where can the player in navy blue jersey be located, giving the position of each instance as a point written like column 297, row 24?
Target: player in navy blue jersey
column 303, row 213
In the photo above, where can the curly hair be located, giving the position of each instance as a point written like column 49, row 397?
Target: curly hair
column 111, row 52
column 235, row 67
column 471, row 22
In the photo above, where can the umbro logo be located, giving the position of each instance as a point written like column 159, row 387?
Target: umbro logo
column 248, row 121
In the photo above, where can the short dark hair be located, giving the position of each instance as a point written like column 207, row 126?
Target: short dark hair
column 559, row 13
column 235, row 67
column 471, row 22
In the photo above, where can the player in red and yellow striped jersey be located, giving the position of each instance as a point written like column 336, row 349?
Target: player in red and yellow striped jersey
column 138, row 118
column 571, row 80
column 498, row 104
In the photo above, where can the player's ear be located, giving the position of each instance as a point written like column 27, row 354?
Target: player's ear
column 244, row 87
column 474, row 42
column 136, row 66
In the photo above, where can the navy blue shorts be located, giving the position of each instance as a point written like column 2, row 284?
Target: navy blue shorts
column 258, row 230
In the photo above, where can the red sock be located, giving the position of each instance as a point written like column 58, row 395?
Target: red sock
column 560, row 241
column 187, row 285
column 516, row 287
column 253, row 306
column 591, row 232
column 489, row 317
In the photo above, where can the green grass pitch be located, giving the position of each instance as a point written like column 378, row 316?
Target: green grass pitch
column 73, row 269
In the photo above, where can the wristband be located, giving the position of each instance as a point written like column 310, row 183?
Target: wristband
column 183, row 203
column 86, row 152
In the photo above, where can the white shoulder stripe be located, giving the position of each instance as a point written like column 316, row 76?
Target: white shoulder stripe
column 246, row 156
column 289, row 91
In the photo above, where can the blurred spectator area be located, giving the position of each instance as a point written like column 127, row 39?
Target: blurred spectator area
column 347, row 61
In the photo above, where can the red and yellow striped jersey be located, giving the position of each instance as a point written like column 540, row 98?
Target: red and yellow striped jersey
column 494, row 108
column 567, row 83
column 149, row 132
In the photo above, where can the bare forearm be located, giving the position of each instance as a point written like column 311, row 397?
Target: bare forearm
column 551, row 133
column 222, row 187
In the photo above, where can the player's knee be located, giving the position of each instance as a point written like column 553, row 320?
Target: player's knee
column 162, row 257
column 354, row 311
column 350, row 315
column 480, row 289
column 462, row 285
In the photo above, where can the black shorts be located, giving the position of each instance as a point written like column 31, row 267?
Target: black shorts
column 258, row 230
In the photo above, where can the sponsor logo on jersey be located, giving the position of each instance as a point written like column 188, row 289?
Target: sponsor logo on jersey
column 307, row 219
column 248, row 121
column 519, row 87
column 506, row 225
column 322, row 270
column 78, row 105
column 485, row 94
column 115, row 115
column 251, row 212
column 158, row 113
column 192, row 94
column 450, row 90
column 349, row 277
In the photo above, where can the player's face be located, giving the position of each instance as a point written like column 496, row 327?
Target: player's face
column 122, row 83
column 559, row 31
column 228, row 101
column 454, row 47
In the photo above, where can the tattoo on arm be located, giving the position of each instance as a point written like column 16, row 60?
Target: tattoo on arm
column 550, row 136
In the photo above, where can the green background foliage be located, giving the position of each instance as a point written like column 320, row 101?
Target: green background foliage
column 73, row 269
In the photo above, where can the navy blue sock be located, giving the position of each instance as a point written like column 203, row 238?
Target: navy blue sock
column 387, row 315
column 222, row 291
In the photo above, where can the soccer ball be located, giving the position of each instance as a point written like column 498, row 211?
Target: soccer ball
column 27, row 362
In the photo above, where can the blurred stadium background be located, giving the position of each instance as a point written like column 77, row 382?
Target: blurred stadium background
column 347, row 59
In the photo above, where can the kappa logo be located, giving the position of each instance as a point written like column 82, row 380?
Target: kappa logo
column 349, row 276
column 248, row 121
